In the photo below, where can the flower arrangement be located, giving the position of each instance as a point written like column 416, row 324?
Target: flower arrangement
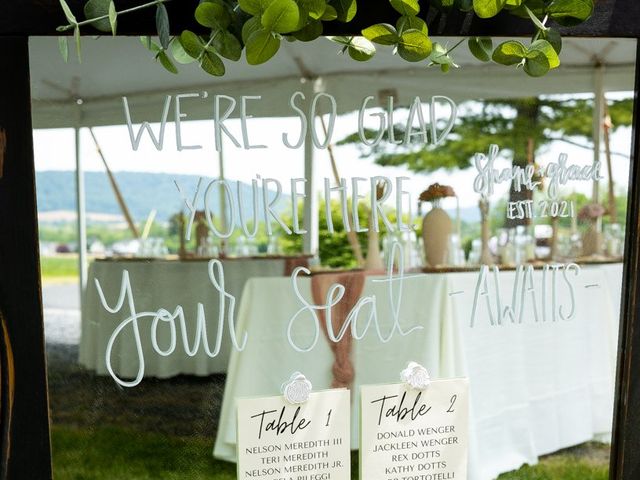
column 591, row 212
column 436, row 192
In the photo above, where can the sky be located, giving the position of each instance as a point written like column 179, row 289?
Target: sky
column 54, row 150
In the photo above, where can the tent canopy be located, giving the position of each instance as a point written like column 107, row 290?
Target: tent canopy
column 116, row 67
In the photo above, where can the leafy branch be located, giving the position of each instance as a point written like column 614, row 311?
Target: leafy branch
column 259, row 26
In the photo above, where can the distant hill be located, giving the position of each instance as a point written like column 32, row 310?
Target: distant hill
column 142, row 191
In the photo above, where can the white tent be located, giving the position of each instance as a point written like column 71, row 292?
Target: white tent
column 89, row 94
column 113, row 67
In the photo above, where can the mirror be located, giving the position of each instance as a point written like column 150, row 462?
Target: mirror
column 203, row 239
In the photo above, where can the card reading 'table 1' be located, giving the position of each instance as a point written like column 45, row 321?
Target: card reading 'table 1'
column 281, row 441
column 414, row 434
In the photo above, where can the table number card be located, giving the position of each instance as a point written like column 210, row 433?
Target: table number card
column 408, row 433
column 278, row 440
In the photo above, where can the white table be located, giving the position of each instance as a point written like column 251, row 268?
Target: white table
column 535, row 387
column 162, row 284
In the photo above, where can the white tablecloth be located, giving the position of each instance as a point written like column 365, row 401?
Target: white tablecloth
column 161, row 284
column 535, row 387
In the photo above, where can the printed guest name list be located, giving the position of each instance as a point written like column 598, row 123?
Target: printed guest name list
column 410, row 434
column 281, row 441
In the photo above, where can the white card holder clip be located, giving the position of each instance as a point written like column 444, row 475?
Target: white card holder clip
column 416, row 376
column 297, row 389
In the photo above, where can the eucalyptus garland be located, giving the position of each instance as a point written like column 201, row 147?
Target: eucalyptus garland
column 260, row 26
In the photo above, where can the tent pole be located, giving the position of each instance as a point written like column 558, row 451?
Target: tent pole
column 598, row 117
column 116, row 189
column 81, row 216
column 311, row 219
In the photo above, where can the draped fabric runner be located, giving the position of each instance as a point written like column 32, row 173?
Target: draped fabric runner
column 353, row 282
column 291, row 263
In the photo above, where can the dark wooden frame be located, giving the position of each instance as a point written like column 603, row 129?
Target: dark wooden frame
column 25, row 451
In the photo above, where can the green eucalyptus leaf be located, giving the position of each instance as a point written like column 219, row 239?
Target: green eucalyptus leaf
column 345, row 9
column 95, row 9
column 440, row 56
column 212, row 15
column 406, row 7
column 511, row 52
column 212, row 64
column 513, row 3
column 149, row 44
column 252, row 25
column 537, row 64
column 481, row 48
column 68, row 13
column 261, row 46
column 537, row 7
column 315, row 8
column 303, row 20
column 488, row 8
column 76, row 35
column 342, row 40
column 191, row 43
column 63, row 46
column 162, row 25
column 227, row 45
column 570, row 12
column 264, row 4
column 407, row 22
column 166, row 62
column 179, row 54
column 554, row 38
column 329, row 14
column 414, row 45
column 536, row 21
column 382, row 33
column 252, row 7
column 544, row 47
column 282, row 16
column 310, row 32
column 361, row 49
column 113, row 18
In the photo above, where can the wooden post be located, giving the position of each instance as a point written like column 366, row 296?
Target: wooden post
column 20, row 295
column 625, row 448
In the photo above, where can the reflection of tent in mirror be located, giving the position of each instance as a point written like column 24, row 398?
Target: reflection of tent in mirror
column 99, row 84
column 527, row 117
column 103, row 79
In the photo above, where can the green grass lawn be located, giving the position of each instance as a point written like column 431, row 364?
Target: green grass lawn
column 115, row 453
column 59, row 268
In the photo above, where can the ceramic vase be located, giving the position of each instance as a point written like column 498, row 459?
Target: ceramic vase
column 592, row 240
column 436, row 229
